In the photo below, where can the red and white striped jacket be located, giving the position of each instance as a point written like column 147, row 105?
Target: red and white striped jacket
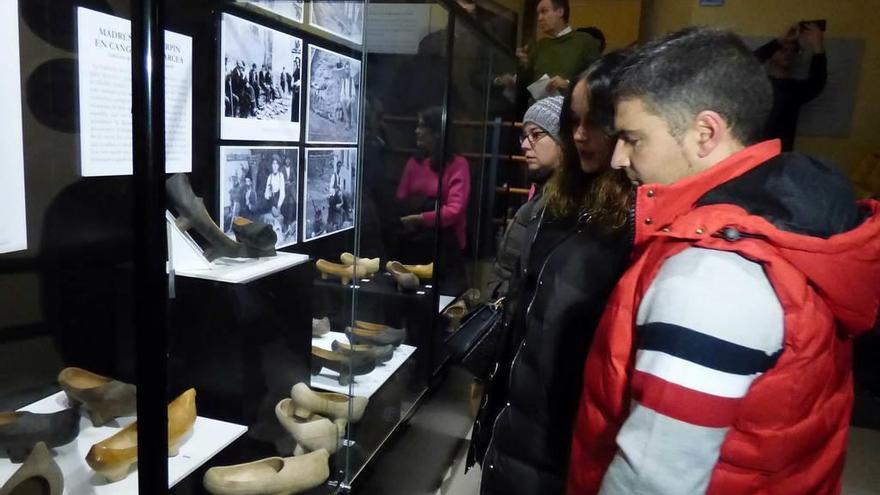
column 672, row 406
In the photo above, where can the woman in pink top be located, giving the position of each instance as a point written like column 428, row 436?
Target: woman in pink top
column 418, row 193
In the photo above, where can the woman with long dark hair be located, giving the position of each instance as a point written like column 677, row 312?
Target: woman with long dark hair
column 417, row 194
column 579, row 248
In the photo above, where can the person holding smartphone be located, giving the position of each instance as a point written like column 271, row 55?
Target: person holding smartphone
column 790, row 94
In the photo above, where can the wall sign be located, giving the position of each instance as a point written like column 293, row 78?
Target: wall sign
column 13, row 229
column 104, row 46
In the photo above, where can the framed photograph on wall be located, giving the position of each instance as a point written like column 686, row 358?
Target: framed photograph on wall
column 260, row 183
column 341, row 18
column 289, row 9
column 329, row 191
column 261, row 74
column 333, row 98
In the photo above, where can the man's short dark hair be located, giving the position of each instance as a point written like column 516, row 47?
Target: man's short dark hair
column 697, row 69
column 562, row 4
column 597, row 33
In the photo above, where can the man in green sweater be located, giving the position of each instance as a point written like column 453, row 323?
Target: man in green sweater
column 561, row 54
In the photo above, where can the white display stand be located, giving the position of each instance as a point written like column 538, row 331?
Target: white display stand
column 208, row 437
column 187, row 260
column 364, row 385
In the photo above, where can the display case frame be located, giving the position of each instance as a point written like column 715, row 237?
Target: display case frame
column 241, row 339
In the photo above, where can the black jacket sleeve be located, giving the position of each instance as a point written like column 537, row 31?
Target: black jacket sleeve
column 765, row 51
column 815, row 83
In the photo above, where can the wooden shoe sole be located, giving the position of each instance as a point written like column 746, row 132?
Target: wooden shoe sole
column 371, row 265
column 335, row 406
column 424, row 272
column 455, row 313
column 347, row 366
column 112, row 458
column 312, row 433
column 270, row 476
column 386, row 336
column 344, row 273
column 104, row 398
column 19, row 431
column 366, row 325
column 379, row 353
column 38, row 475
column 406, row 280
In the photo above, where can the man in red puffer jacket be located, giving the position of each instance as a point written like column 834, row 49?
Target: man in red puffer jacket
column 722, row 363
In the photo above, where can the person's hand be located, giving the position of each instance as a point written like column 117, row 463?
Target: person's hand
column 557, row 83
column 411, row 222
column 522, row 54
column 506, row 80
column 790, row 35
column 813, row 38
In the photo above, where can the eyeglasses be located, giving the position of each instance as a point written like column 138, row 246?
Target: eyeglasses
column 533, row 137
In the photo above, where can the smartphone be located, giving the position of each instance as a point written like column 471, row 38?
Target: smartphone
column 820, row 23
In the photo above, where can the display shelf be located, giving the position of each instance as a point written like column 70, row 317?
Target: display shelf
column 208, row 437
column 242, row 271
column 364, row 385
column 188, row 260
column 381, row 283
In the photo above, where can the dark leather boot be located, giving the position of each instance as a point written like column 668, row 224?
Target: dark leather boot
column 191, row 214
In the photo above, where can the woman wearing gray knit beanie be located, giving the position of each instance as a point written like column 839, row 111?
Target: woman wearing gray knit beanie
column 542, row 147
column 542, row 155
column 575, row 250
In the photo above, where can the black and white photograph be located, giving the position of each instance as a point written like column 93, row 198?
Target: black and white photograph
column 333, row 98
column 339, row 17
column 261, row 184
column 261, row 75
column 289, row 9
column 329, row 193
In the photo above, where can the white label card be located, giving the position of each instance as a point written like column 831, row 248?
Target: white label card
column 104, row 44
column 13, row 228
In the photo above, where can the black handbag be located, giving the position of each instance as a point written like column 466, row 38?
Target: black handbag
column 474, row 345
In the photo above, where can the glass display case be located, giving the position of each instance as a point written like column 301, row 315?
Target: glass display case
column 233, row 266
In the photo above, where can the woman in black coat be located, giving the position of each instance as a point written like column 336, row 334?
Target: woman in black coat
column 580, row 247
